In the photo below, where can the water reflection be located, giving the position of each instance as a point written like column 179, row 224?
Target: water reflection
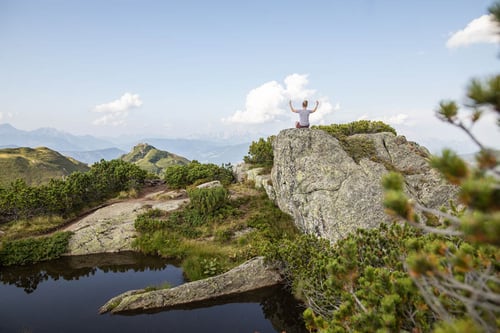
column 74, row 267
column 70, row 290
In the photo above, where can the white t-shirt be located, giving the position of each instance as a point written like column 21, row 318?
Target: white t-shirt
column 304, row 117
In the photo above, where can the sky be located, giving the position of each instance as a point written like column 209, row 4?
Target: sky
column 226, row 70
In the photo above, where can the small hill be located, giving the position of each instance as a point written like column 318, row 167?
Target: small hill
column 151, row 159
column 35, row 165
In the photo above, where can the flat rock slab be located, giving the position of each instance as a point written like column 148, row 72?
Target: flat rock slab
column 252, row 275
column 111, row 228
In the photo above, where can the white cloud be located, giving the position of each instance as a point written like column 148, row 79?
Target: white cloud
column 481, row 30
column 116, row 111
column 397, row 119
column 4, row 116
column 269, row 102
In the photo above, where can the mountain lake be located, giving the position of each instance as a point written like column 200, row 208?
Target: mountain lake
column 64, row 295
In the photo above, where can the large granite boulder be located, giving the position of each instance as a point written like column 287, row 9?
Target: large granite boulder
column 330, row 194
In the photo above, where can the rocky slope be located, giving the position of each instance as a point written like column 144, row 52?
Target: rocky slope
column 330, row 193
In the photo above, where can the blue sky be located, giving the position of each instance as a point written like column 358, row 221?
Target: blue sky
column 226, row 69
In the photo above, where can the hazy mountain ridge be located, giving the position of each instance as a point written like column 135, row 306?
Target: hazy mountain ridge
column 35, row 165
column 151, row 159
column 51, row 138
column 90, row 149
column 92, row 156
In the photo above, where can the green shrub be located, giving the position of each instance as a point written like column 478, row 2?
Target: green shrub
column 70, row 196
column 260, row 153
column 145, row 224
column 176, row 176
column 149, row 221
column 160, row 242
column 223, row 236
column 204, row 241
column 359, row 148
column 271, row 222
column 31, row 250
column 208, row 200
column 356, row 127
column 358, row 284
column 179, row 176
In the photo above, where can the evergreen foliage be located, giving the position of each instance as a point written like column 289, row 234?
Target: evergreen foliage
column 79, row 190
column 31, row 250
column 359, row 284
column 203, row 234
column 438, row 272
column 357, row 147
column 208, row 200
column 340, row 131
column 260, row 153
column 181, row 176
column 458, row 273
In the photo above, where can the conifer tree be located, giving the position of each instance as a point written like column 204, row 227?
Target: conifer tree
column 458, row 272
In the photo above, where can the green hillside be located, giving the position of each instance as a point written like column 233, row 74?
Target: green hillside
column 35, row 165
column 151, row 159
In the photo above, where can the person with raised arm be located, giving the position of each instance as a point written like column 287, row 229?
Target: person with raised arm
column 303, row 114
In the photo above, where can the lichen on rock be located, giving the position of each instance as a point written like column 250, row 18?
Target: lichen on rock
column 331, row 193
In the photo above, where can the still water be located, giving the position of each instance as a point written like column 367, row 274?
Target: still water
column 65, row 295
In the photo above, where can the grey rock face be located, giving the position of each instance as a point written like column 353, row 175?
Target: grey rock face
column 211, row 184
column 330, row 195
column 243, row 173
column 111, row 228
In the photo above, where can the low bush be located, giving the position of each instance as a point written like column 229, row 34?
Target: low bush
column 208, row 200
column 179, row 176
column 204, row 241
column 357, row 147
column 260, row 153
column 358, row 284
column 149, row 221
column 356, row 127
column 31, row 250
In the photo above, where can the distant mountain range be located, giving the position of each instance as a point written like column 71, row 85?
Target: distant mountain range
column 89, row 149
column 38, row 166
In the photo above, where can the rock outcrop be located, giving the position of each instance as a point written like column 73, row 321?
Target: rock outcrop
column 258, row 176
column 252, row 275
column 111, row 228
column 329, row 194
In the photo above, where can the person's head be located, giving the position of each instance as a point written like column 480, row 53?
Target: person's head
column 304, row 104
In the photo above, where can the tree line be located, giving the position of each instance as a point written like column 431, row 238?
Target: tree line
column 68, row 196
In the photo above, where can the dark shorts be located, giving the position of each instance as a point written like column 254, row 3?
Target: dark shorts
column 298, row 125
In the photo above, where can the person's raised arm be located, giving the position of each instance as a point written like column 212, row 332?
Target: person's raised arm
column 315, row 108
column 291, row 107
